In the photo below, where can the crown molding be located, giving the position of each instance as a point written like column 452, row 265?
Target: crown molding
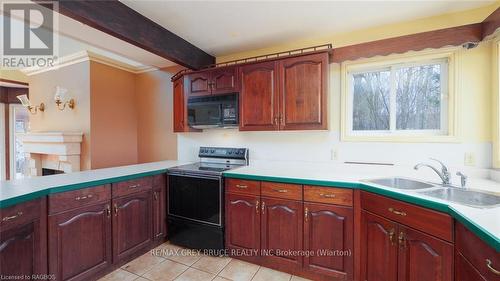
column 87, row 56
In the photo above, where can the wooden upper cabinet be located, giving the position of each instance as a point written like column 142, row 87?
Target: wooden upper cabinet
column 198, row 84
column 180, row 123
column 423, row 257
column 259, row 102
column 303, row 88
column 224, row 81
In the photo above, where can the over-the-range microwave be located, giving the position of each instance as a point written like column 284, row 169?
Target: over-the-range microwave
column 220, row 111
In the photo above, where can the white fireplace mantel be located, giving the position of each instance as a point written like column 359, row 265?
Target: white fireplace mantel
column 52, row 150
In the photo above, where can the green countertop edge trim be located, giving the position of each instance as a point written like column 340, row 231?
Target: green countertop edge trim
column 486, row 236
column 37, row 194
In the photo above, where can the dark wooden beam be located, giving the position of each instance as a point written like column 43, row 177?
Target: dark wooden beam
column 491, row 23
column 415, row 42
column 118, row 20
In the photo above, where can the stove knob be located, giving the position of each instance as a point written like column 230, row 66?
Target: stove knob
column 212, row 151
column 230, row 152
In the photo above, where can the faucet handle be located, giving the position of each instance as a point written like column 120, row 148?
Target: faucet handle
column 443, row 166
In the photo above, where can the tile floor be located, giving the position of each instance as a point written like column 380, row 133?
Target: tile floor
column 169, row 262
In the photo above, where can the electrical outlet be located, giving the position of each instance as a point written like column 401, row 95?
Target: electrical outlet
column 469, row 159
column 334, row 154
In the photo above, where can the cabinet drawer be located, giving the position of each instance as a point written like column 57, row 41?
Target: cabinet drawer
column 282, row 190
column 243, row 186
column 131, row 186
column 423, row 219
column 20, row 214
column 329, row 195
column 77, row 198
column 478, row 253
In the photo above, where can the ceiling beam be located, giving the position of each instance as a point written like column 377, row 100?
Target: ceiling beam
column 491, row 23
column 453, row 36
column 121, row 21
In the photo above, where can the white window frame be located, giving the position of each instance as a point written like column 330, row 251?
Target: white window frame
column 12, row 142
column 447, row 132
column 496, row 103
column 2, row 142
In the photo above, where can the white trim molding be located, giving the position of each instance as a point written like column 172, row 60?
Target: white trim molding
column 496, row 102
column 88, row 56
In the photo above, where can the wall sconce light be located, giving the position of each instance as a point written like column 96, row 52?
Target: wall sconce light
column 60, row 98
column 32, row 109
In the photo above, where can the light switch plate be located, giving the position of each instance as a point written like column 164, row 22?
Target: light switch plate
column 469, row 159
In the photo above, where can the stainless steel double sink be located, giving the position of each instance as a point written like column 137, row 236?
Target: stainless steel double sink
column 464, row 196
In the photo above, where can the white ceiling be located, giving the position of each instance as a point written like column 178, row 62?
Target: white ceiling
column 226, row 27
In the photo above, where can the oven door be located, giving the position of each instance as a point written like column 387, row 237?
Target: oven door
column 196, row 198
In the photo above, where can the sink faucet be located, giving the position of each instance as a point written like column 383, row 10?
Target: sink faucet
column 463, row 179
column 444, row 174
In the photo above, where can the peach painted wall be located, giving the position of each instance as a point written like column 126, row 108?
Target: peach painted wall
column 75, row 78
column 113, row 117
column 156, row 140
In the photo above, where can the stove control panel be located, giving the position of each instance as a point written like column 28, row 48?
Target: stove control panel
column 223, row 152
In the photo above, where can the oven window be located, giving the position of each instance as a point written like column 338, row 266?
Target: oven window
column 194, row 198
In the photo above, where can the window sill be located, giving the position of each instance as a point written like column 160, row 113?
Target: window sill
column 402, row 139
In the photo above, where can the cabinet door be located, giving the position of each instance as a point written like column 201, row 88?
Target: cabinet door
column 20, row 251
column 464, row 270
column 80, row 242
column 180, row 123
column 423, row 257
column 224, row 81
column 303, row 92
column 198, row 84
column 132, row 224
column 159, row 212
column 379, row 249
column 328, row 233
column 281, row 234
column 243, row 224
column 259, row 108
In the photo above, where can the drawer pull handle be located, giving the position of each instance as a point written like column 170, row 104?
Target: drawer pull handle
column 491, row 268
column 115, row 210
column 263, row 207
column 391, row 236
column 306, row 214
column 257, row 206
column 281, row 190
column 5, row 219
column 108, row 211
column 134, row 186
column 155, row 195
column 241, row 186
column 327, row 195
column 83, row 197
column 396, row 212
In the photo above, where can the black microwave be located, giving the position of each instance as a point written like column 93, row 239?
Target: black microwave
column 213, row 111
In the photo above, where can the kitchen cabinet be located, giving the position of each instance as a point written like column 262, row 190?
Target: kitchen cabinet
column 212, row 82
column 259, row 97
column 179, row 107
column 474, row 257
column 328, row 232
column 23, row 239
column 281, row 233
column 159, row 208
column 132, row 224
column 243, row 224
column 392, row 250
column 80, row 242
column 303, row 92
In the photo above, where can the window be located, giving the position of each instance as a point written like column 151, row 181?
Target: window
column 19, row 125
column 403, row 98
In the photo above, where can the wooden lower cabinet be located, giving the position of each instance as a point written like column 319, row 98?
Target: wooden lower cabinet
column 281, row 233
column 159, row 208
column 465, row 271
column 23, row 241
column 243, row 224
column 80, row 242
column 132, row 224
column 328, row 234
column 379, row 250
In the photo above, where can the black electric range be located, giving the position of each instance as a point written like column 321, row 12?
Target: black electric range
column 196, row 198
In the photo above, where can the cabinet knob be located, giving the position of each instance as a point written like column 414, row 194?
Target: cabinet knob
column 306, row 214
column 391, row 236
column 108, row 211
column 263, row 207
column 402, row 240
column 115, row 207
column 257, row 206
